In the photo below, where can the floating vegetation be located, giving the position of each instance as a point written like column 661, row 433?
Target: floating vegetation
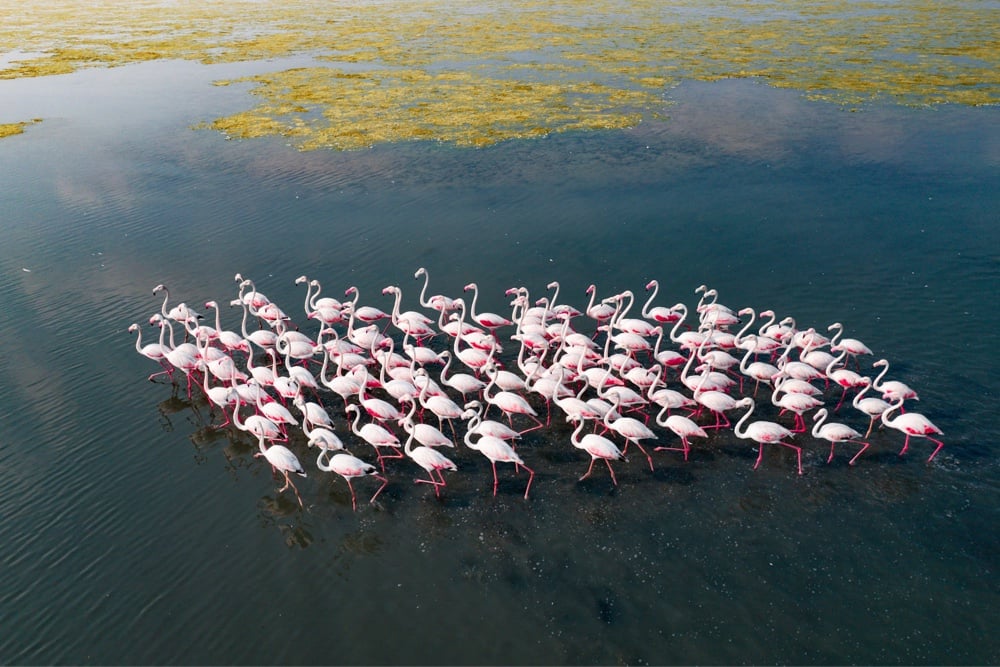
column 10, row 129
column 477, row 74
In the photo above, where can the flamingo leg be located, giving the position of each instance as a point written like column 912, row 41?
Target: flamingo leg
column 436, row 484
column 531, row 476
column 798, row 452
column 589, row 470
column 354, row 500
column 936, row 449
column 851, row 462
column 906, row 445
column 385, row 482
column 832, row 445
column 643, row 450
column 496, row 481
column 843, row 395
column 760, row 455
column 612, row 471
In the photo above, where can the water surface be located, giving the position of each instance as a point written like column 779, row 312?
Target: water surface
column 136, row 533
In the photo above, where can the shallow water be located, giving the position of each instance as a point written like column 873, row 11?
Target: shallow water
column 135, row 533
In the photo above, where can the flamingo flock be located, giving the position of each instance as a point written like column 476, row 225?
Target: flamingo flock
column 400, row 387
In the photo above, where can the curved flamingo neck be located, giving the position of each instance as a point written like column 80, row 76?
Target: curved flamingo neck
column 423, row 291
column 649, row 301
column 739, row 424
column 678, row 323
column 885, row 415
column 746, row 327
column 877, row 382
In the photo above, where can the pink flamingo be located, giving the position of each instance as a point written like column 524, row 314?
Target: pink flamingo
column 489, row 320
column 834, row 433
column 438, row 302
column 892, row 390
column 497, row 450
column 350, row 467
column 763, row 432
column 477, row 425
column 872, row 406
column 155, row 351
column 510, row 404
column 683, row 428
column 795, row 403
column 430, row 460
column 846, row 379
column 597, row 446
column 852, row 346
column 282, row 459
column 367, row 314
column 375, row 435
column 259, row 426
column 912, row 424
column 629, row 428
column 659, row 313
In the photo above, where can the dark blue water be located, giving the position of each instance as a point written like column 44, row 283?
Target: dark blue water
column 134, row 532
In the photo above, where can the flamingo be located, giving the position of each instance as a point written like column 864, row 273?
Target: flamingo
column 847, row 379
column 262, row 338
column 602, row 312
column 873, row 407
column 561, row 309
column 223, row 397
column 367, row 314
column 597, row 446
column 180, row 313
column 438, row 302
column 760, row 371
column 375, row 435
column 852, row 346
column 439, row 404
column 230, row 340
column 460, row 382
column 476, row 424
column 834, row 433
column 497, row 450
column 891, row 389
column 912, row 424
column 489, row 320
column 763, row 432
column 629, row 428
column 683, row 428
column 259, row 426
column 350, row 467
column 409, row 322
column 282, row 459
column 659, row 313
column 155, row 351
column 430, row 460
column 795, row 403
column 425, row 434
column 510, row 404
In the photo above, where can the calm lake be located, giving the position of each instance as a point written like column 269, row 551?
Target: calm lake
column 135, row 532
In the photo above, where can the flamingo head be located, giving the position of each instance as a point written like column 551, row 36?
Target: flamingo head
column 470, row 286
column 552, row 285
column 650, row 285
column 421, row 271
column 300, row 280
column 211, row 304
column 745, row 311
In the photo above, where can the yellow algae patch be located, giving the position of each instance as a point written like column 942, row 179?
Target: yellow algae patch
column 339, row 109
column 477, row 73
column 10, row 129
